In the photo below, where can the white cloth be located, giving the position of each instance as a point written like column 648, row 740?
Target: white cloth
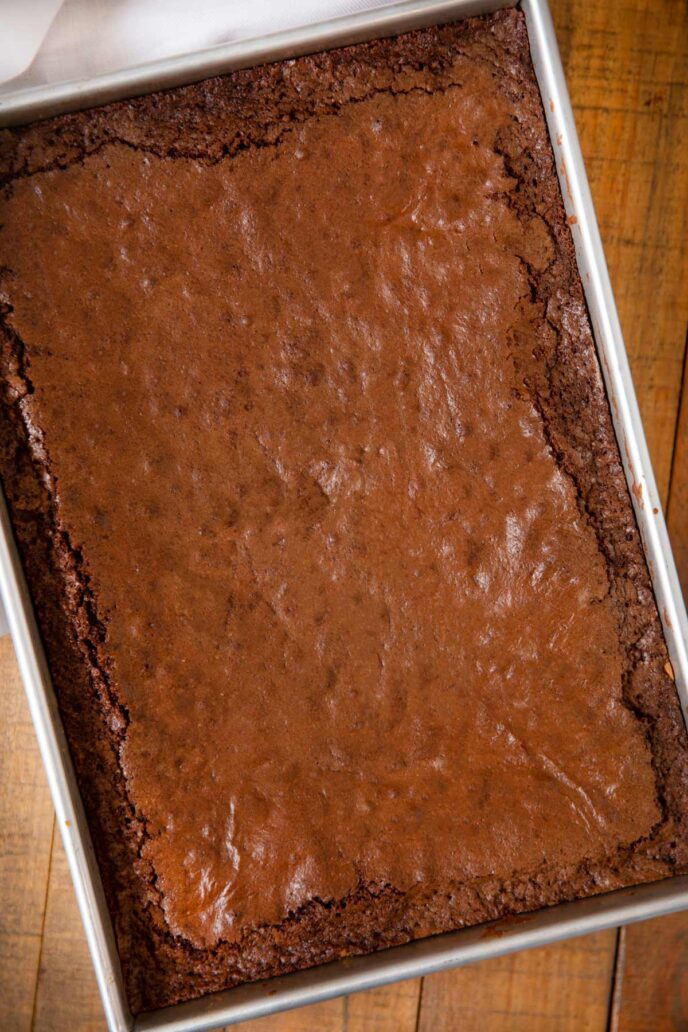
column 96, row 37
column 23, row 27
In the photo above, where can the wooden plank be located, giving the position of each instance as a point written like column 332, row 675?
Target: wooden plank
column 26, row 829
column 390, row 1009
column 626, row 68
column 651, row 987
column 677, row 512
column 564, row 987
column 651, row 990
column 652, row 983
column 325, row 1017
column 67, row 995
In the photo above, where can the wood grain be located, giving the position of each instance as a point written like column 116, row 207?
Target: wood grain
column 652, row 983
column 566, row 987
column 391, row 1009
column 626, row 67
column 67, row 998
column 677, row 511
column 651, row 990
column 26, row 831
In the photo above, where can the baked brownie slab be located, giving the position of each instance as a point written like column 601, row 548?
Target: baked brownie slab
column 311, row 467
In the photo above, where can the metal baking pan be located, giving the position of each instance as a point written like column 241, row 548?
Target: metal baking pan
column 455, row 948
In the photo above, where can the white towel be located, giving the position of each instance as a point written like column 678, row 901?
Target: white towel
column 95, row 37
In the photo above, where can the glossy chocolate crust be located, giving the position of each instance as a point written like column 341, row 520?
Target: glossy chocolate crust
column 460, row 405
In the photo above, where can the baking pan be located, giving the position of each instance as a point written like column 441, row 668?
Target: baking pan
column 455, row 948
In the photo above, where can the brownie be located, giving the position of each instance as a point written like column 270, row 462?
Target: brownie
column 312, row 472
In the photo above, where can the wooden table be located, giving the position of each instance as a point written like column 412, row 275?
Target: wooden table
column 627, row 71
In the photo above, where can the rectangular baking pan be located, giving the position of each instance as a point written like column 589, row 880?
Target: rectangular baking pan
column 455, row 948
